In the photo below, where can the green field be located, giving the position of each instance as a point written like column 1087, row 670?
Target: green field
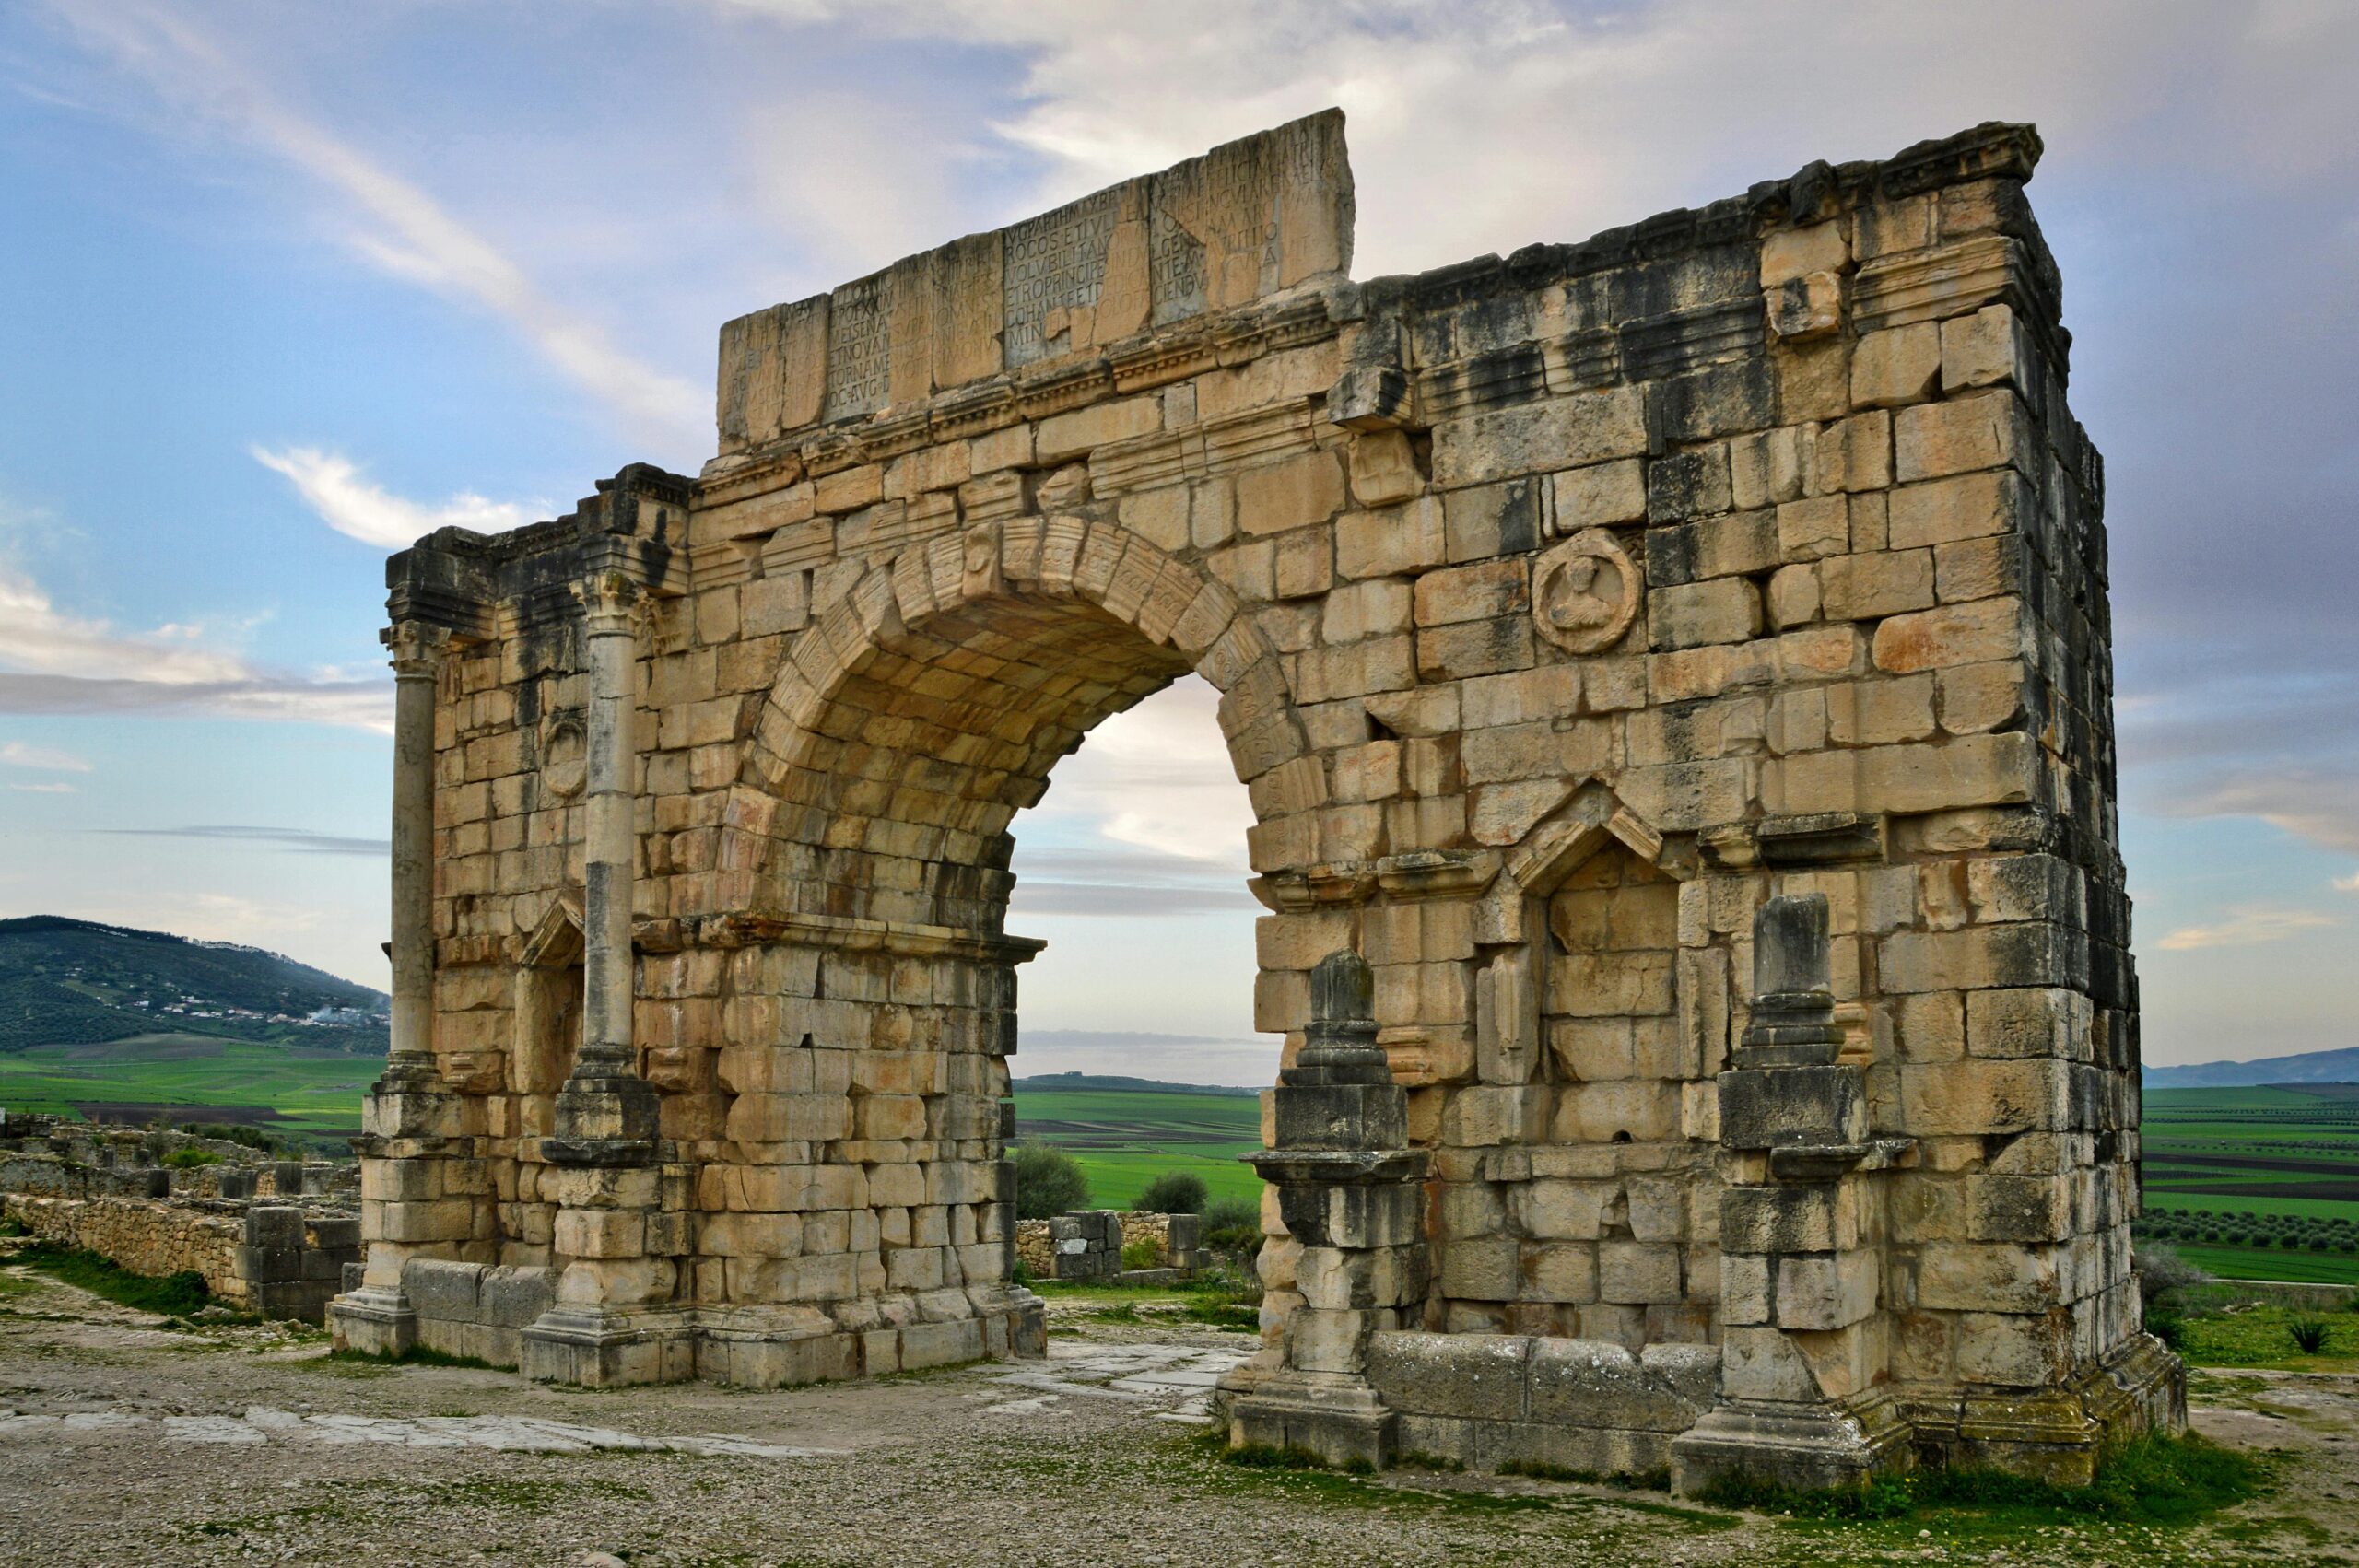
column 1125, row 1139
column 2254, row 1162
column 313, row 1094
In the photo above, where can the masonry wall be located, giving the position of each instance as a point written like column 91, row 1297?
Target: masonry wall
column 1564, row 608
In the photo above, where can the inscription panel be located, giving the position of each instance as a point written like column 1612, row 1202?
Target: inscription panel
column 860, row 350
column 1055, row 261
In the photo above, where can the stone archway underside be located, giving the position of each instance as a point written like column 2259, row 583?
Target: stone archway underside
column 1670, row 674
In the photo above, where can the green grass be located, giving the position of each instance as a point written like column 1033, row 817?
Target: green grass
column 2157, row 1480
column 1124, row 1139
column 2272, row 1263
column 2261, row 1336
column 1212, row 1300
column 317, row 1093
column 173, row 1295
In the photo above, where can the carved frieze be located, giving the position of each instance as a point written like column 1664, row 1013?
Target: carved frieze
column 1585, row 592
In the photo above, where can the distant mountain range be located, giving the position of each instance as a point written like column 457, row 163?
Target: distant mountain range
column 2340, row 1066
column 1114, row 1080
column 77, row 982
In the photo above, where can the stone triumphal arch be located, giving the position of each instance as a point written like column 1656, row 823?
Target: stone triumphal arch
column 1671, row 674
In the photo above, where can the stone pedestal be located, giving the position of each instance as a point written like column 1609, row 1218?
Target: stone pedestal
column 1802, row 1349
column 1350, row 1193
column 615, row 1320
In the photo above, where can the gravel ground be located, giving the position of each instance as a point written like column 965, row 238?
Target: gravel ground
column 125, row 1442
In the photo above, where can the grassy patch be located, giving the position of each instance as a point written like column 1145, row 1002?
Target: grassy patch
column 2152, row 1480
column 2261, row 1335
column 416, row 1355
column 173, row 1295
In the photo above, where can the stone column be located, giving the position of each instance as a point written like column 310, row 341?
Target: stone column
column 1802, row 1398
column 1350, row 1191
column 613, row 1321
column 410, row 1118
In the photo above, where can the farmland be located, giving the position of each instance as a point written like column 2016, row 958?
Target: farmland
column 313, row 1094
column 1125, row 1139
column 2255, row 1183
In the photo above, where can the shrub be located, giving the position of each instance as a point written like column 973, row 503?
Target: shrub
column 1174, row 1192
column 2162, row 1270
column 190, row 1159
column 1048, row 1181
column 1143, row 1253
column 2310, row 1334
column 1233, row 1227
column 2166, row 1324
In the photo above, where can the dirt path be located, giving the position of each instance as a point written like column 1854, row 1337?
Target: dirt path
column 122, row 1443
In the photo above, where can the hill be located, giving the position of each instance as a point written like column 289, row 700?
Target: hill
column 1047, row 1080
column 66, row 982
column 2340, row 1066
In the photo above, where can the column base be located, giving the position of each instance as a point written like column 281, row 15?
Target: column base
column 1808, row 1447
column 1337, row 1417
column 599, row 1347
column 375, row 1320
column 2058, row 1434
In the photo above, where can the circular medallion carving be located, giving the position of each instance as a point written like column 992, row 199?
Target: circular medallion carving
column 1585, row 592
column 564, row 758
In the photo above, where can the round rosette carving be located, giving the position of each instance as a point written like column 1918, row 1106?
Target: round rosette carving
column 1585, row 592
column 564, row 758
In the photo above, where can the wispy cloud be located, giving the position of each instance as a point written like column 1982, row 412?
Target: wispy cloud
column 396, row 225
column 299, row 840
column 2247, row 927
column 54, row 662
column 15, row 754
column 45, row 788
column 2311, row 801
column 332, row 486
column 2347, row 883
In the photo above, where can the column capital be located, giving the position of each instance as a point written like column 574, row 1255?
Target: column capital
column 611, row 603
column 418, row 648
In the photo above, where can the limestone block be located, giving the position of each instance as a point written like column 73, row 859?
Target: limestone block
column 1396, row 540
column 1603, row 495
column 1896, row 366
column 1765, row 1364
column 1471, row 1376
column 1291, row 493
column 1634, row 1272
column 1720, row 610
column 1869, row 713
column 1985, row 349
column 1486, row 1114
column 1629, row 1110
column 1536, row 437
column 1486, row 588
column 1868, row 587
column 1807, row 307
column 2011, row 1350
column 1854, row 454
column 1063, row 437
column 1788, row 253
column 1493, row 519
column 1826, row 1292
column 1985, row 430
column 1800, row 1217
column 1988, row 1277
column 1383, row 468
column 1971, row 506
column 1689, row 485
column 1729, row 545
column 1746, row 1289
column 1981, row 1097
column 2029, row 1209
column 1488, row 1268
column 2031, row 1022
column 601, row 1233
column 1808, row 530
column 1474, row 647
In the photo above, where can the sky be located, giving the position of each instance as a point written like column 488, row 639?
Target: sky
column 290, row 284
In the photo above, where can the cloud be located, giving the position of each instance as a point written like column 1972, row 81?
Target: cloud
column 52, row 662
column 2312, row 802
column 1044, row 898
column 332, row 486
column 301, row 839
column 2246, row 927
column 45, row 788
column 396, row 225
column 15, row 754
column 2347, row 883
